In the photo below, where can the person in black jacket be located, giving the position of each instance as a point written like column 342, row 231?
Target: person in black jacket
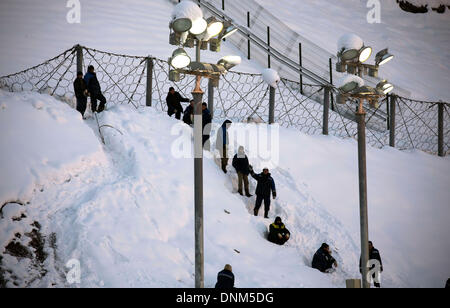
column 225, row 278
column 322, row 260
column 173, row 101
column 265, row 185
column 222, row 142
column 447, row 285
column 94, row 89
column 80, row 89
column 278, row 233
column 188, row 115
column 206, row 123
column 374, row 254
column 241, row 164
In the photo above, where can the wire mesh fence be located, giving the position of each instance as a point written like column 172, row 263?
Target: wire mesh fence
column 239, row 97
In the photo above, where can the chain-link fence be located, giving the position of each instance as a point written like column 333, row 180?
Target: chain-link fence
column 240, row 97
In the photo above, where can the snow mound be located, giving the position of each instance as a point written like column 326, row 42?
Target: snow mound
column 271, row 77
column 350, row 41
column 43, row 141
column 187, row 9
column 347, row 78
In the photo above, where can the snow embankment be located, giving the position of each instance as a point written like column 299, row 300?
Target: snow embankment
column 42, row 142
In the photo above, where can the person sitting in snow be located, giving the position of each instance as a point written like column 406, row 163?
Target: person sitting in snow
column 322, row 260
column 94, row 89
column 80, row 89
column 225, row 278
column 265, row 185
column 278, row 233
column 173, row 100
column 241, row 164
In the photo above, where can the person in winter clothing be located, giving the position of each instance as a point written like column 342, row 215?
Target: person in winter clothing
column 240, row 163
column 265, row 185
column 173, row 101
column 447, row 285
column 278, row 233
column 225, row 278
column 94, row 89
column 80, row 89
column 374, row 254
column 222, row 144
column 206, row 123
column 322, row 260
column 188, row 115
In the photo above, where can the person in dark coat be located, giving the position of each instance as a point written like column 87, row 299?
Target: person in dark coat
column 374, row 254
column 206, row 123
column 225, row 278
column 188, row 115
column 265, row 185
column 94, row 89
column 447, row 285
column 173, row 101
column 242, row 166
column 222, row 143
column 278, row 233
column 80, row 89
column 322, row 260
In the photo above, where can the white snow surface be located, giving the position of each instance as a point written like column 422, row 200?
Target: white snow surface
column 350, row 41
column 187, row 9
column 271, row 77
column 347, row 78
column 129, row 219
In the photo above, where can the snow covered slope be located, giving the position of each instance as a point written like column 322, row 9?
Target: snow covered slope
column 128, row 219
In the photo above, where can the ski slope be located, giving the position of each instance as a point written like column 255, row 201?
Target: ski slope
column 128, row 215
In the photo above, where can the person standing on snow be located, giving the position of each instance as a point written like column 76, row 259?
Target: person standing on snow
column 173, row 101
column 241, row 164
column 80, row 89
column 188, row 115
column 322, row 260
column 225, row 278
column 374, row 255
column 222, row 144
column 206, row 123
column 94, row 89
column 265, row 185
column 278, row 233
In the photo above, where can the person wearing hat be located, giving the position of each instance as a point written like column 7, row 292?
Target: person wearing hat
column 240, row 163
column 322, row 260
column 278, row 233
column 94, row 89
column 225, row 278
column 173, row 100
column 80, row 89
column 265, row 185
column 374, row 254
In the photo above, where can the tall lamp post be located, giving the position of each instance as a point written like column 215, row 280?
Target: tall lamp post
column 189, row 29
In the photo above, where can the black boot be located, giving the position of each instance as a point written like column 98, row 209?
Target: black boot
column 266, row 214
column 240, row 192
column 255, row 211
column 247, row 194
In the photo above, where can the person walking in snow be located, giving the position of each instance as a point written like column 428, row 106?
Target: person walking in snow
column 188, row 115
column 222, row 143
column 278, row 233
column 322, row 260
column 265, row 185
column 225, row 278
column 374, row 255
column 94, row 89
column 80, row 89
column 173, row 101
column 242, row 166
column 206, row 123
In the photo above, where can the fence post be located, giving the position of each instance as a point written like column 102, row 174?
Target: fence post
column 211, row 97
column 272, row 105
column 149, row 89
column 392, row 106
column 79, row 50
column 301, row 64
column 326, row 110
column 223, row 5
column 248, row 41
column 331, row 81
column 388, row 98
column 441, row 129
column 268, row 49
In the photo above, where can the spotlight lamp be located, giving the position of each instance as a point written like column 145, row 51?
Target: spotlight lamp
column 365, row 53
column 180, row 59
column 181, row 25
column 174, row 75
column 198, row 26
column 348, row 54
column 384, row 87
column 229, row 62
column 214, row 27
column 365, row 90
column 383, row 57
column 227, row 31
column 349, row 87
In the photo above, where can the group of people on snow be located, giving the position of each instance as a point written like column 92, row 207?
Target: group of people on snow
column 88, row 86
